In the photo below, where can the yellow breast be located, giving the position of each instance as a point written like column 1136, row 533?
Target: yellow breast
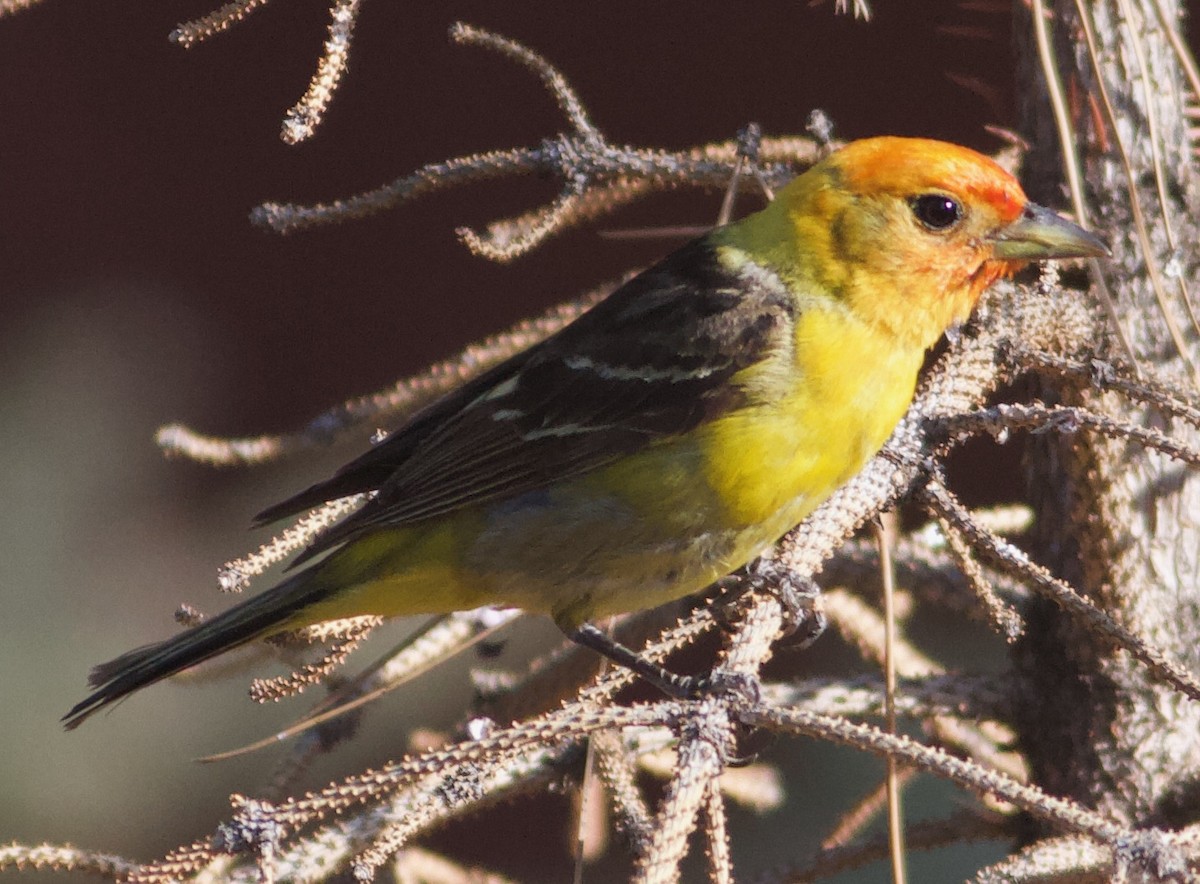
column 819, row 410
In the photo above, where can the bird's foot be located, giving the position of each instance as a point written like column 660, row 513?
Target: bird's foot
column 804, row 616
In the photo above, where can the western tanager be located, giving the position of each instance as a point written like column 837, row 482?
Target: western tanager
column 674, row 431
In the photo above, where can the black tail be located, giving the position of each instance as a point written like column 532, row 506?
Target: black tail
column 253, row 618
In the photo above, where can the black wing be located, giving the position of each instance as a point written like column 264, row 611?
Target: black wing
column 654, row 359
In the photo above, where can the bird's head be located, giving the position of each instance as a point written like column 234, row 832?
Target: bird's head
column 909, row 232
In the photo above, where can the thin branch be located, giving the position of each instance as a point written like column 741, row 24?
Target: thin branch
column 552, row 79
column 265, row 690
column 885, row 531
column 418, row 653
column 705, row 745
column 855, row 821
column 926, row 569
column 943, row 503
column 302, row 120
column 1001, row 419
column 964, row 826
column 1004, row 619
column 495, row 756
column 187, row 34
column 619, row 776
column 716, row 832
column 583, row 159
column 63, row 858
column 1107, row 375
column 1155, row 850
column 1079, row 859
column 867, row 629
column 402, row 398
column 507, row 243
column 973, row 697
column 235, row 575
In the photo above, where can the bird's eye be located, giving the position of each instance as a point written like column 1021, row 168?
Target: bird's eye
column 937, row 211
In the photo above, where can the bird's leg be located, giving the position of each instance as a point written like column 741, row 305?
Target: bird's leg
column 679, row 687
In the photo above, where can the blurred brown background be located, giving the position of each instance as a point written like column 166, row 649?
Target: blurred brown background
column 134, row 292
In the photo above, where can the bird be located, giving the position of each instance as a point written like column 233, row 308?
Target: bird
column 670, row 434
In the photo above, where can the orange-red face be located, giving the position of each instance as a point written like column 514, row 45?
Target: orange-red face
column 928, row 225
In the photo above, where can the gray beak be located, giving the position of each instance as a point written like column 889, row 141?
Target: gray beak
column 1040, row 234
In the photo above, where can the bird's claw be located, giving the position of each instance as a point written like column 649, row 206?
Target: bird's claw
column 804, row 616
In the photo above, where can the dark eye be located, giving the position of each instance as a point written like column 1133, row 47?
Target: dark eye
column 937, row 212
